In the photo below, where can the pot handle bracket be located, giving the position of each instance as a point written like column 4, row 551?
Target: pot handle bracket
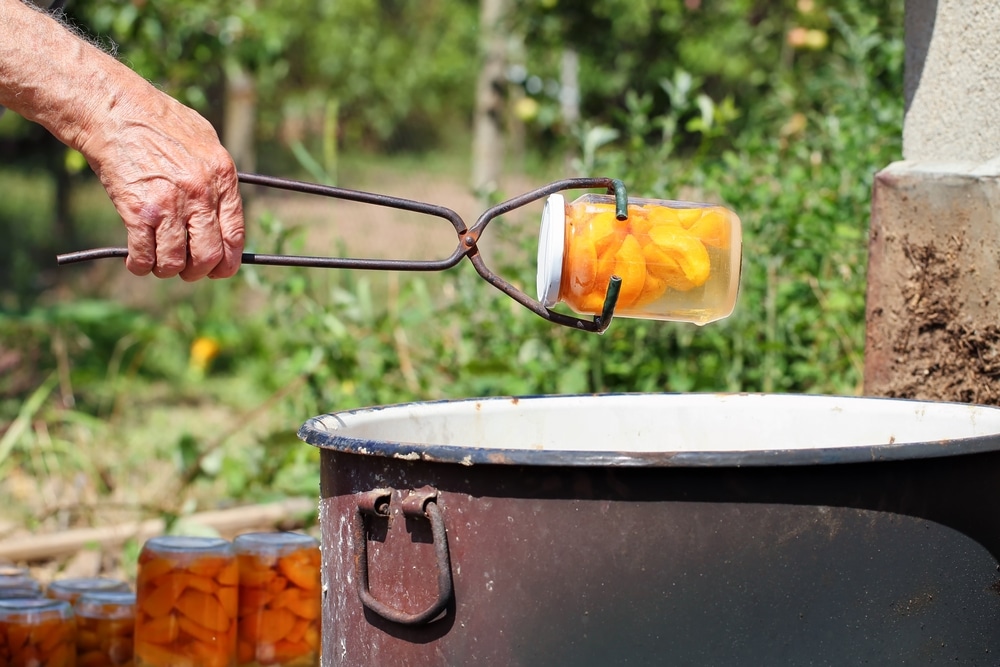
column 419, row 503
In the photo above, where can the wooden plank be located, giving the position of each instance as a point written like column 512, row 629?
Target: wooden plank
column 228, row 522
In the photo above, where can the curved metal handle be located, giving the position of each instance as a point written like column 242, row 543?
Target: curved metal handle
column 419, row 503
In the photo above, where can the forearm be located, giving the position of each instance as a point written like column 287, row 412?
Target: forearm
column 52, row 77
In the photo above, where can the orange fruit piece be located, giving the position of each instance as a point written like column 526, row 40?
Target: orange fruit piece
column 300, row 570
column 285, row 598
column 652, row 289
column 207, row 566
column 662, row 265
column 60, row 655
column 229, row 574
column 277, row 585
column 252, row 576
column 204, row 609
column 605, row 269
column 229, row 597
column 663, row 216
column 252, row 599
column 688, row 216
column 630, row 266
column 87, row 634
column 151, row 569
column 270, row 626
column 244, row 652
column 286, row 650
column 312, row 637
column 591, row 300
column 154, row 654
column 17, row 635
column 712, row 228
column 161, row 600
column 249, row 626
column 686, row 250
column 605, row 229
column 639, row 222
column 184, row 580
column 592, row 303
column 302, row 603
column 162, row 630
column 91, row 658
column 52, row 633
column 580, row 265
column 298, row 631
column 189, row 627
column 209, row 654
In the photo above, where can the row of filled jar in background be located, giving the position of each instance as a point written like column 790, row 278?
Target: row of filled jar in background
column 199, row 602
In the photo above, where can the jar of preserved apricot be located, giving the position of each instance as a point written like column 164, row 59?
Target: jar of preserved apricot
column 70, row 589
column 35, row 632
column 105, row 628
column 279, row 604
column 186, row 603
column 677, row 261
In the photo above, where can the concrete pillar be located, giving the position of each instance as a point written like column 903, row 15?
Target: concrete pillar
column 933, row 308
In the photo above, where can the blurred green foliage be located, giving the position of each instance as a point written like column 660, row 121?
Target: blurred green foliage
column 398, row 71
column 781, row 110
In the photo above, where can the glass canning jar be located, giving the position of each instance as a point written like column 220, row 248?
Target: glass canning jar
column 677, row 260
column 186, row 603
column 17, row 582
column 71, row 588
column 105, row 628
column 37, row 632
column 279, row 604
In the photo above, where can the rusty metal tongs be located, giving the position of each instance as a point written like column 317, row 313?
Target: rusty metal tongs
column 468, row 238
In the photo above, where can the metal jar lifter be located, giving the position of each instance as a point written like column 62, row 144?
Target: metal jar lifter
column 468, row 239
column 679, row 261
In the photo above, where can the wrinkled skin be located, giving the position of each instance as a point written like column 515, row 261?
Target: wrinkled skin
column 175, row 188
column 162, row 164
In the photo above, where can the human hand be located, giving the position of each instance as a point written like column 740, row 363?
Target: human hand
column 173, row 184
column 170, row 179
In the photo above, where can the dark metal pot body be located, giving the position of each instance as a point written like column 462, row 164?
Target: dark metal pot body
column 660, row 529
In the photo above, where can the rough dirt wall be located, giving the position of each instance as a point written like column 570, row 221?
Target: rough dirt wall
column 933, row 308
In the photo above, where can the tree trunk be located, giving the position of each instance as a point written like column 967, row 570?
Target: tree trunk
column 487, row 138
column 239, row 123
column 569, row 101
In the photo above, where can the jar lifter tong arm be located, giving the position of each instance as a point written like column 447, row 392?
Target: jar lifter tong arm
column 468, row 238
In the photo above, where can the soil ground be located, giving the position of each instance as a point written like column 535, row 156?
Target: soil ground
column 950, row 358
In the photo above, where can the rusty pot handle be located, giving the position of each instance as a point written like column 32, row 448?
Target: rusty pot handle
column 418, row 503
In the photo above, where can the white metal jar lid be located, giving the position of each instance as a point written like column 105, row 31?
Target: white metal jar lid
column 551, row 239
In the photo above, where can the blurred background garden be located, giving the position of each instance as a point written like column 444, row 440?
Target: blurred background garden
column 125, row 398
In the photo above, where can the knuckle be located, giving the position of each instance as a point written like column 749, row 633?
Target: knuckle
column 137, row 267
column 206, row 257
column 236, row 236
column 170, row 265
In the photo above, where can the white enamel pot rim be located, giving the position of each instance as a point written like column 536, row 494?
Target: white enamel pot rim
column 661, row 429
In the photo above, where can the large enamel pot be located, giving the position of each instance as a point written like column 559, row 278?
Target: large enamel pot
column 652, row 529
